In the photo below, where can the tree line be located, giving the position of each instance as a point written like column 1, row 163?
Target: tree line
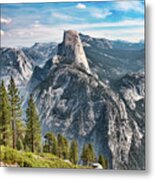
column 27, row 136
column 60, row 146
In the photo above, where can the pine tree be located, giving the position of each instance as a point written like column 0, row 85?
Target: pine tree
column 20, row 134
column 33, row 128
column 15, row 108
column 74, row 152
column 88, row 154
column 91, row 153
column 63, row 147
column 5, row 118
column 50, row 143
column 84, row 156
column 103, row 162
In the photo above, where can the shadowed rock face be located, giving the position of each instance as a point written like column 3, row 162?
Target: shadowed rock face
column 71, row 50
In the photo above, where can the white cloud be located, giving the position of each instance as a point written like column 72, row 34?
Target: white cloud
column 43, row 33
column 80, row 6
column 101, row 15
column 5, row 20
column 28, row 36
column 61, row 16
column 130, row 6
column 2, row 32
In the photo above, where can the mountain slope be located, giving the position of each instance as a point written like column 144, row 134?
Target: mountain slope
column 74, row 102
column 39, row 53
column 132, row 90
column 15, row 63
column 111, row 60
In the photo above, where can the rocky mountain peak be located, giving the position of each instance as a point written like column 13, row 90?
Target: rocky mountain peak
column 71, row 51
column 15, row 63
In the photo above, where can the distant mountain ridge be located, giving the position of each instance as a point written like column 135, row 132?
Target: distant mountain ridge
column 100, row 52
column 39, row 53
column 103, row 43
column 112, row 60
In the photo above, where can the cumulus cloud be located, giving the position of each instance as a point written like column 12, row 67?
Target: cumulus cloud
column 80, row 6
column 5, row 20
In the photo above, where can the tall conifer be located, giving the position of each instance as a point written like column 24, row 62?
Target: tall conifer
column 15, row 109
column 63, row 147
column 74, row 152
column 88, row 154
column 103, row 161
column 5, row 118
column 50, row 143
column 33, row 128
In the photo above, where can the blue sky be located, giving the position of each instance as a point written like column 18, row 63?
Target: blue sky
column 25, row 24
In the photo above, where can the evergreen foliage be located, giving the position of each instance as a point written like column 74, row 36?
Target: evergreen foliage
column 51, row 144
column 103, row 161
column 28, row 159
column 16, row 112
column 33, row 128
column 63, row 147
column 74, row 152
column 13, row 132
column 20, row 134
column 88, row 154
column 5, row 117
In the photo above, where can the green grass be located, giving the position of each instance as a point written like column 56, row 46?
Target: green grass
column 28, row 159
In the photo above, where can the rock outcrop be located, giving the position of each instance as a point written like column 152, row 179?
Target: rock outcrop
column 70, row 51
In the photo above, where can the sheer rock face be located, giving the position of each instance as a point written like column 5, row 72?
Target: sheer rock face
column 132, row 90
column 82, row 107
column 71, row 49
